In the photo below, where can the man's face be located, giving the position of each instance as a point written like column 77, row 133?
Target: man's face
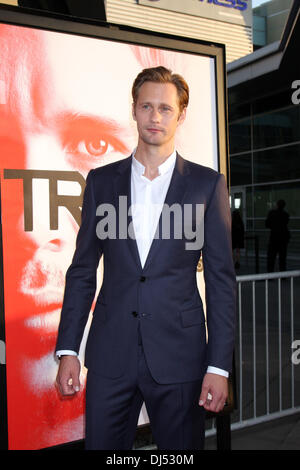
column 157, row 114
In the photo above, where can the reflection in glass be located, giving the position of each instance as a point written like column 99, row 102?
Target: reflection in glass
column 276, row 164
column 276, row 128
column 240, row 167
column 240, row 136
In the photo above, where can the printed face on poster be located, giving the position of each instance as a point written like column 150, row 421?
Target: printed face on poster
column 65, row 108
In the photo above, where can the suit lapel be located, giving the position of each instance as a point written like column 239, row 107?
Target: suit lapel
column 122, row 187
column 175, row 194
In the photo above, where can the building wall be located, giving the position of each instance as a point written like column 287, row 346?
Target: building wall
column 273, row 15
column 237, row 38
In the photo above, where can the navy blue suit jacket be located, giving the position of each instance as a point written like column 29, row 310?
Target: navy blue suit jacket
column 162, row 298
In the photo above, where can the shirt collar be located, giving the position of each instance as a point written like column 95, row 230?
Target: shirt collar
column 166, row 166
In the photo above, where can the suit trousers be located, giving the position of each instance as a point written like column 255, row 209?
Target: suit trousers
column 113, row 406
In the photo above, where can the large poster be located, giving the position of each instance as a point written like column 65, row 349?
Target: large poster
column 65, row 108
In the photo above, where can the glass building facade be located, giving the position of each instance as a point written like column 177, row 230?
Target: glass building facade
column 265, row 167
column 269, row 19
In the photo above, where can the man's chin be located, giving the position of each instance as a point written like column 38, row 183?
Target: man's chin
column 155, row 141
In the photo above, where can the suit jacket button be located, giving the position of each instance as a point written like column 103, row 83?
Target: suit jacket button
column 142, row 279
column 135, row 314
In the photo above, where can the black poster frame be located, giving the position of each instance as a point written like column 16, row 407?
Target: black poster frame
column 121, row 33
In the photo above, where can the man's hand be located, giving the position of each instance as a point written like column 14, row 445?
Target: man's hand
column 214, row 392
column 68, row 375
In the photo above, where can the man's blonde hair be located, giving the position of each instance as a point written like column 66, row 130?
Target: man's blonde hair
column 161, row 74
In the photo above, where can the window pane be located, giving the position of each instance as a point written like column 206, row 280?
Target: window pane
column 276, row 128
column 276, row 164
column 249, row 204
column 240, row 136
column 240, row 170
column 249, row 225
column 266, row 197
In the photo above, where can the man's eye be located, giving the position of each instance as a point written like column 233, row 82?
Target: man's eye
column 89, row 141
column 95, row 147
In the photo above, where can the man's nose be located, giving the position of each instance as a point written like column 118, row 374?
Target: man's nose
column 155, row 115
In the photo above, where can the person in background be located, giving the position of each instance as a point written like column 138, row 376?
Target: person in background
column 277, row 221
column 238, row 234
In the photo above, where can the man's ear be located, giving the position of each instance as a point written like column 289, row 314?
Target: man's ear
column 133, row 111
column 182, row 117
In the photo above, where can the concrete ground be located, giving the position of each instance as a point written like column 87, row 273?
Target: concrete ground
column 280, row 434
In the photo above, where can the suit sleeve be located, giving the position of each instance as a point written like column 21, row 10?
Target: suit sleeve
column 80, row 285
column 220, row 279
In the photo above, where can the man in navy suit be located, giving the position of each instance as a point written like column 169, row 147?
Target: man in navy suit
column 149, row 340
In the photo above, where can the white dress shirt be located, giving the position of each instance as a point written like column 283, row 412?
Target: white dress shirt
column 147, row 199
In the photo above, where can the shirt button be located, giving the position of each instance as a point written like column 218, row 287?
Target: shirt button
column 142, row 279
column 135, row 314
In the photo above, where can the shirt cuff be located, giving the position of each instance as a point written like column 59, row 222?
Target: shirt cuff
column 66, row 352
column 216, row 370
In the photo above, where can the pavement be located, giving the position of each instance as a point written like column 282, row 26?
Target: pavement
column 280, row 434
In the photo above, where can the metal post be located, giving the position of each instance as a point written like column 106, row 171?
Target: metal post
column 223, row 432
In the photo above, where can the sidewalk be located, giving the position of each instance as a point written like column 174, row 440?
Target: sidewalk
column 279, row 434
